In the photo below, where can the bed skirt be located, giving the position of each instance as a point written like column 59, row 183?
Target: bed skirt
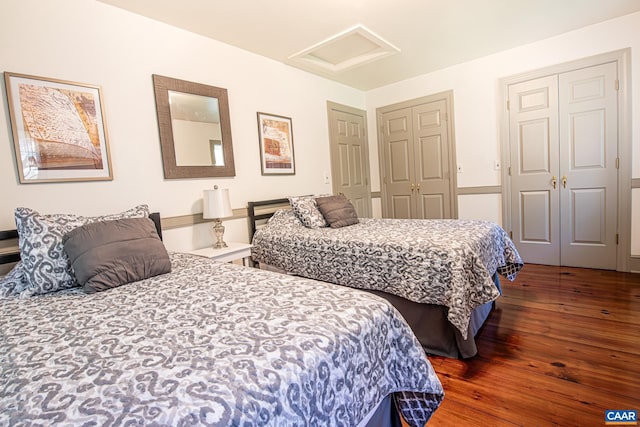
column 430, row 324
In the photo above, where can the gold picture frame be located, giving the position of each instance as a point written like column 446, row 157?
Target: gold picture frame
column 59, row 130
column 276, row 144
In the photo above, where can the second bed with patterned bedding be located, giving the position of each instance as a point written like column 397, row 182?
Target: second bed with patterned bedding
column 448, row 263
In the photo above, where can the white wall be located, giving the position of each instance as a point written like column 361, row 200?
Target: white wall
column 477, row 103
column 90, row 42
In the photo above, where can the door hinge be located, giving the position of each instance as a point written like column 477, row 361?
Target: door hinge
column 508, row 105
column 509, row 170
column 511, row 235
column 617, row 162
column 617, row 84
column 617, row 239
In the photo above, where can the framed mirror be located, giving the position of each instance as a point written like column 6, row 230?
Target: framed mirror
column 195, row 129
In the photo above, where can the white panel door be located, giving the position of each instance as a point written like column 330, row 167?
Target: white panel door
column 589, row 178
column 535, row 205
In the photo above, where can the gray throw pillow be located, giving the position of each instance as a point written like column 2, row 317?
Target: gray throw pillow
column 337, row 211
column 109, row 254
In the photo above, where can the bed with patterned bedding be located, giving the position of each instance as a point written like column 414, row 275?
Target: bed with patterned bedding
column 445, row 263
column 206, row 344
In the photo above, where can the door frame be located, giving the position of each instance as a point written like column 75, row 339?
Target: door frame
column 453, row 186
column 622, row 57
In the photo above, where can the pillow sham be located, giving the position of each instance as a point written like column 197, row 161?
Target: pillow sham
column 14, row 282
column 337, row 211
column 108, row 254
column 306, row 210
column 44, row 263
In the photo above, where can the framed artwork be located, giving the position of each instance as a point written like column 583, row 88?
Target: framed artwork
column 59, row 131
column 276, row 144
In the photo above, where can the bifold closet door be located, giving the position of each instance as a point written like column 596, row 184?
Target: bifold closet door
column 588, row 173
column 431, row 159
column 563, row 158
column 398, row 162
column 534, row 148
column 417, row 159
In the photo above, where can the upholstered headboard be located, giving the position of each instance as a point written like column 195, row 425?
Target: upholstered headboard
column 9, row 241
column 261, row 211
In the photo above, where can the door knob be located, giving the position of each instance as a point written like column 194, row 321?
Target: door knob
column 554, row 182
column 564, row 181
column 412, row 186
column 418, row 188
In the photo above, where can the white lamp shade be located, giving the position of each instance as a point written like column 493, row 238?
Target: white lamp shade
column 217, row 204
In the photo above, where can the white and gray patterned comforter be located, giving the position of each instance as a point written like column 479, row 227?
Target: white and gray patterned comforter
column 209, row 344
column 443, row 262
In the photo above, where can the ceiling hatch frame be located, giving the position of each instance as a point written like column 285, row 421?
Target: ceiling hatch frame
column 348, row 49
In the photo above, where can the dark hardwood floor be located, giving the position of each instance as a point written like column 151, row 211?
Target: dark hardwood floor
column 562, row 346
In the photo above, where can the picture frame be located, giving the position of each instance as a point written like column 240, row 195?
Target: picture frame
column 276, row 144
column 59, row 130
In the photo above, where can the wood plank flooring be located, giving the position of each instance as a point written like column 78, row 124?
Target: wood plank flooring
column 561, row 347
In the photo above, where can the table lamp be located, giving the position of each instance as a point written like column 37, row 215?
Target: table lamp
column 217, row 206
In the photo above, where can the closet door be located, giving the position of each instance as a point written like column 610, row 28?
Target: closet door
column 431, row 158
column 563, row 132
column 417, row 155
column 397, row 147
column 588, row 173
column 534, row 149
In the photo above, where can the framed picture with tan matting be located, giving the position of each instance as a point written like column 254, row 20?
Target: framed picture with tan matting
column 59, row 130
column 276, row 144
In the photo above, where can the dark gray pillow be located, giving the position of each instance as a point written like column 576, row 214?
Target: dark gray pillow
column 337, row 211
column 108, row 254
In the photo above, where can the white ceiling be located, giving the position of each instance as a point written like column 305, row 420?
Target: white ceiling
column 430, row 34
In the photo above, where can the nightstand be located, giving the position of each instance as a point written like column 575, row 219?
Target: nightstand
column 234, row 251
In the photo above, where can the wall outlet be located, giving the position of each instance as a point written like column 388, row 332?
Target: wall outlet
column 496, row 165
column 460, row 168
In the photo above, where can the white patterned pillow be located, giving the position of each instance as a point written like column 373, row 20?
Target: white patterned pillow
column 14, row 282
column 306, row 209
column 44, row 262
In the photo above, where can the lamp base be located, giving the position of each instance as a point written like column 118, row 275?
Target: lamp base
column 218, row 229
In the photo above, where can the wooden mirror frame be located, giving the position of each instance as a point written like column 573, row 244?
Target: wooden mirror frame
column 162, row 86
